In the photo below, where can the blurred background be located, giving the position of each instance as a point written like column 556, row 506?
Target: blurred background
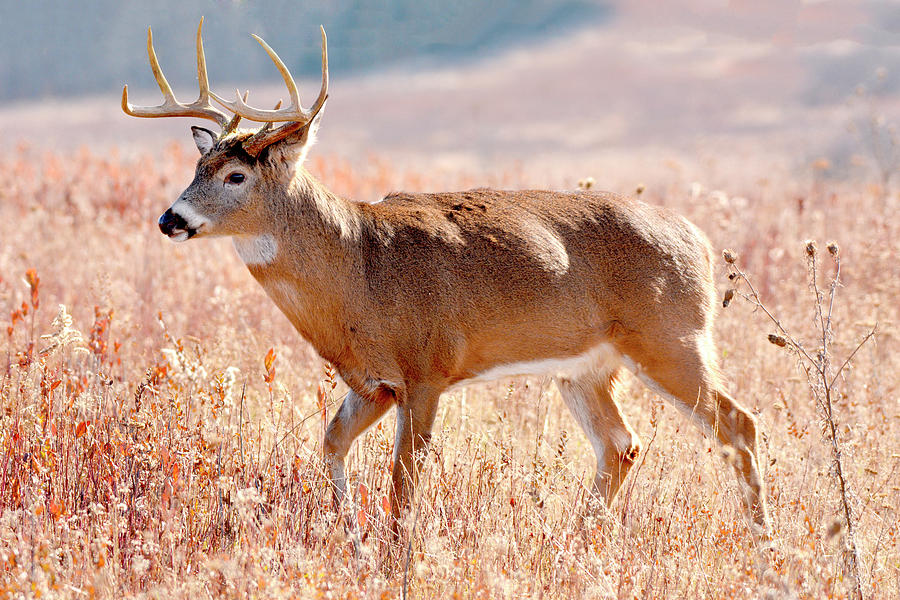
column 550, row 86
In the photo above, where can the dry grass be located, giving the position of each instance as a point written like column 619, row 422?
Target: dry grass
column 147, row 445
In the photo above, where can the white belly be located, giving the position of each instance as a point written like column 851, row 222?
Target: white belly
column 601, row 358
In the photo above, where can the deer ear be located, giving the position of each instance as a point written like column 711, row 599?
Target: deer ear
column 204, row 138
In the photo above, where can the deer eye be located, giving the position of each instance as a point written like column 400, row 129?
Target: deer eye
column 235, row 178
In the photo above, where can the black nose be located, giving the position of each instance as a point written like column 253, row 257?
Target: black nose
column 170, row 221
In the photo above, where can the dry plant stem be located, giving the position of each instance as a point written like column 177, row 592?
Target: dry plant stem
column 409, row 544
column 822, row 371
column 241, row 422
column 637, row 470
column 821, row 382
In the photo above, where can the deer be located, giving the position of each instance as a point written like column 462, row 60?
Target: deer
column 420, row 293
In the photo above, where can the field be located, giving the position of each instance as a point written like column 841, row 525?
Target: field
column 161, row 423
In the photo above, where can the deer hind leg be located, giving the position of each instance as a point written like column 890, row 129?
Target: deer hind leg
column 415, row 418
column 355, row 415
column 685, row 373
column 591, row 399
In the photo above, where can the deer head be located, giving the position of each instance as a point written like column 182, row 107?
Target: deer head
column 237, row 169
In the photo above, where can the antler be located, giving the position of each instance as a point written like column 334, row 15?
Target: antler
column 232, row 125
column 294, row 115
column 171, row 107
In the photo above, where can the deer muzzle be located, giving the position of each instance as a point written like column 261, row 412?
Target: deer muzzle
column 174, row 225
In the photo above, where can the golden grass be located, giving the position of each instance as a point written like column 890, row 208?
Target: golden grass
column 150, row 443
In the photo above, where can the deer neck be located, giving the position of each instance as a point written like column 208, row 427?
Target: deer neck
column 305, row 255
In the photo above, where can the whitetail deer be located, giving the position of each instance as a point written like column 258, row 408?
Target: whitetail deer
column 417, row 293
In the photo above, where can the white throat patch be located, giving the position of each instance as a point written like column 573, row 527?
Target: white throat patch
column 256, row 250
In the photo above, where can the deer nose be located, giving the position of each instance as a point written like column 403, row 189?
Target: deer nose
column 170, row 221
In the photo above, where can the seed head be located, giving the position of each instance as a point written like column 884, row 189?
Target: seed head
column 810, row 247
column 833, row 249
column 729, row 255
column 777, row 340
column 729, row 294
column 835, row 528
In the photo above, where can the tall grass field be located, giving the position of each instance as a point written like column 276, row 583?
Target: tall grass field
column 161, row 423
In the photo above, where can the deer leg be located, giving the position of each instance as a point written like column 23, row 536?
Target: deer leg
column 355, row 415
column 415, row 418
column 591, row 399
column 685, row 373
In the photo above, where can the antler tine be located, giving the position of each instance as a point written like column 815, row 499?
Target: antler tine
column 170, row 107
column 294, row 112
column 285, row 73
column 161, row 80
column 232, row 125
column 323, row 91
column 202, row 78
column 266, row 128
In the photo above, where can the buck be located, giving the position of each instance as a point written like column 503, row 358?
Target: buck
column 418, row 293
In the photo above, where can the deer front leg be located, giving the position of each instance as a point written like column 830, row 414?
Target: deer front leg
column 415, row 418
column 591, row 400
column 355, row 415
